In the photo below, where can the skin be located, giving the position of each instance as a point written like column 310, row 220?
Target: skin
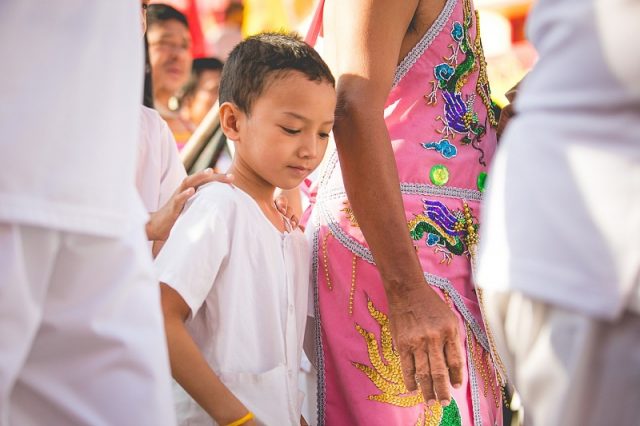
column 170, row 57
column 364, row 42
column 277, row 145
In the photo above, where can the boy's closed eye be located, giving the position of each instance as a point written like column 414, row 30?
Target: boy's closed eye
column 290, row 131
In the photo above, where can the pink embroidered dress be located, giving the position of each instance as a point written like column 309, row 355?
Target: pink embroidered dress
column 441, row 124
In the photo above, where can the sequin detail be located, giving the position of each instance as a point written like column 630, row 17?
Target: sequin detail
column 439, row 175
column 459, row 116
column 444, row 147
column 482, row 178
column 385, row 373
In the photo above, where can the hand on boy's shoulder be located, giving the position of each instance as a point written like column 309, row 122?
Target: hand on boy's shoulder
column 161, row 222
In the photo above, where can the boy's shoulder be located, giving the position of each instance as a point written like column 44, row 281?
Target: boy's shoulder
column 220, row 197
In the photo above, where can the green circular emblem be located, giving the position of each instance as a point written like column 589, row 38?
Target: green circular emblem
column 439, row 175
column 482, row 177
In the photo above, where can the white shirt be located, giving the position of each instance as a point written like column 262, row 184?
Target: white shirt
column 159, row 172
column 246, row 285
column 67, row 159
column 561, row 220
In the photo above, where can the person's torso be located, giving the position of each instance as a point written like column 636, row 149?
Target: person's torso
column 70, row 94
column 251, row 326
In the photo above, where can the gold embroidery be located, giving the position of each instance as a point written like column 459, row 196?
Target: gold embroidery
column 325, row 259
column 348, row 211
column 352, row 291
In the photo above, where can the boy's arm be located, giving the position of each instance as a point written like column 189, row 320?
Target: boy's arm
column 189, row 367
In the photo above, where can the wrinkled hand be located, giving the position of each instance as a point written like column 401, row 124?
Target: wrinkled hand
column 425, row 333
column 161, row 222
column 282, row 204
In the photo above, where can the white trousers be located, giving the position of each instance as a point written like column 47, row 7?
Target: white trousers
column 569, row 369
column 81, row 331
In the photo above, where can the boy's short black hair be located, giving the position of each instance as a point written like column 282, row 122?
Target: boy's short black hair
column 159, row 13
column 197, row 68
column 254, row 62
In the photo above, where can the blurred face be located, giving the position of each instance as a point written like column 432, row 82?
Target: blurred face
column 170, row 55
column 205, row 96
column 285, row 137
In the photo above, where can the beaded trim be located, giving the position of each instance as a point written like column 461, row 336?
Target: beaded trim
column 475, row 393
column 428, row 38
column 445, row 285
column 422, row 189
column 441, row 191
column 321, row 401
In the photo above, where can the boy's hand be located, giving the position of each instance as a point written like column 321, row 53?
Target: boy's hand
column 161, row 222
column 282, row 205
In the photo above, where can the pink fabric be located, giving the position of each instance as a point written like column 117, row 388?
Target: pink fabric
column 347, row 394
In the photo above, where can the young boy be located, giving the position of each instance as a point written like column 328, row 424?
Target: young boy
column 234, row 276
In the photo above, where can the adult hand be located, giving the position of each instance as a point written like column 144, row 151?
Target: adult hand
column 425, row 333
column 161, row 222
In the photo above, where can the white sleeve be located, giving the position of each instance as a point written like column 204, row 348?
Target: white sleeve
column 173, row 171
column 192, row 255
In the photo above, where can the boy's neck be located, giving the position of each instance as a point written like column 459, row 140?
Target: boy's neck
column 161, row 99
column 260, row 190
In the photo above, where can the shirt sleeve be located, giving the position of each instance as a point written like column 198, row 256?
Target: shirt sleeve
column 173, row 171
column 194, row 252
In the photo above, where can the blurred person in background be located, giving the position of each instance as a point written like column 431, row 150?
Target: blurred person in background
column 201, row 91
column 559, row 261
column 170, row 57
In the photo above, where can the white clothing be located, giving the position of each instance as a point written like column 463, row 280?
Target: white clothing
column 82, row 339
column 247, row 285
column 159, row 172
column 569, row 369
column 82, row 333
column 562, row 212
column 618, row 25
column 69, row 136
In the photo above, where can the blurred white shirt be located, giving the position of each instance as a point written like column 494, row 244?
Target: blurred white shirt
column 561, row 220
column 246, row 284
column 65, row 156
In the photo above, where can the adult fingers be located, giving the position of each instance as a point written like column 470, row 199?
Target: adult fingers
column 439, row 373
column 180, row 199
column 408, row 368
column 453, row 354
column 205, row 176
column 423, row 376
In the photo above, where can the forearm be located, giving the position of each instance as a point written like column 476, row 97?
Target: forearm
column 371, row 181
column 192, row 372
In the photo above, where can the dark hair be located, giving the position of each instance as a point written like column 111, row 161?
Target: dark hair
column 147, row 94
column 256, row 61
column 197, row 68
column 158, row 13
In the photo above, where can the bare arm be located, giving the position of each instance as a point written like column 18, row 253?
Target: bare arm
column 189, row 367
column 364, row 38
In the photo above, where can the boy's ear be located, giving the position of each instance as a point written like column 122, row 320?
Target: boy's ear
column 230, row 117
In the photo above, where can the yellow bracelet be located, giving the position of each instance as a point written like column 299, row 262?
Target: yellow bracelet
column 242, row 420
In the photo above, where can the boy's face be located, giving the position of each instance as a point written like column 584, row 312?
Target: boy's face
column 169, row 54
column 286, row 135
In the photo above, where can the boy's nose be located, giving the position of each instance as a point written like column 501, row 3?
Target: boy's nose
column 309, row 146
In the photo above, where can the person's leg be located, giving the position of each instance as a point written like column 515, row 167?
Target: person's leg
column 568, row 368
column 100, row 355
column 26, row 258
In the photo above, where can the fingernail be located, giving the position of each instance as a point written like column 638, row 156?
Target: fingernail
column 208, row 170
column 457, row 385
column 431, row 402
column 444, row 402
